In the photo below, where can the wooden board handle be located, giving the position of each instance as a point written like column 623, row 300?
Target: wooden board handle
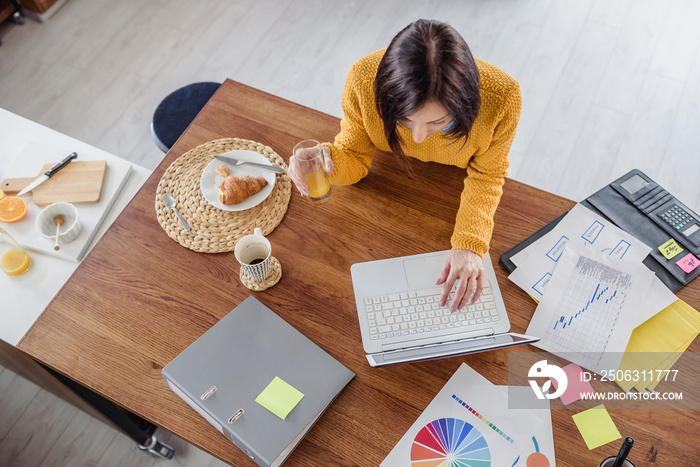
column 14, row 185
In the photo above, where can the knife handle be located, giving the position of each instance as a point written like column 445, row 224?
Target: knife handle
column 61, row 164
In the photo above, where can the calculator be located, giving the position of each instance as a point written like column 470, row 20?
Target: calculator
column 679, row 221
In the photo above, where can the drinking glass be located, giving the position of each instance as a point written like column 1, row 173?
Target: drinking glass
column 309, row 155
column 13, row 259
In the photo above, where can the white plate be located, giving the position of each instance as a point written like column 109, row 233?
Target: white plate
column 210, row 180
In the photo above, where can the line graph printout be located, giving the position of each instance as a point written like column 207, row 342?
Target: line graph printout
column 590, row 309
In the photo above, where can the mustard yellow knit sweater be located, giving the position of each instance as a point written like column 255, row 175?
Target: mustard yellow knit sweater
column 484, row 156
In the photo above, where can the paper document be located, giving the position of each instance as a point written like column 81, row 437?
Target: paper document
column 536, row 263
column 469, row 423
column 657, row 298
column 657, row 343
column 590, row 308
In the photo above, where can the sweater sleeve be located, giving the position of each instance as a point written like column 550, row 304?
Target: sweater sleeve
column 352, row 150
column 483, row 185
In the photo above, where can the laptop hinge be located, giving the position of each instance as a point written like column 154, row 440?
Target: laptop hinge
column 437, row 340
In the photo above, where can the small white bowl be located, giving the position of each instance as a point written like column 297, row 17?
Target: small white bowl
column 70, row 229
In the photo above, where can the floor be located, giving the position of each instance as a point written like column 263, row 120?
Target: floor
column 608, row 85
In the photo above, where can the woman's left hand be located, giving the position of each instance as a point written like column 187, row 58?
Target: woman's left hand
column 466, row 267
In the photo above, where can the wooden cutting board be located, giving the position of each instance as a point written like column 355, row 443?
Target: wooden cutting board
column 80, row 182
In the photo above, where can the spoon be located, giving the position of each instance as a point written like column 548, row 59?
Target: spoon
column 169, row 203
column 58, row 220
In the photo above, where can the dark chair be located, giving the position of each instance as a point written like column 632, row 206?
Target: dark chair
column 177, row 110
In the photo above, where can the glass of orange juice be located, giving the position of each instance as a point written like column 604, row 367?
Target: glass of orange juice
column 13, row 259
column 309, row 155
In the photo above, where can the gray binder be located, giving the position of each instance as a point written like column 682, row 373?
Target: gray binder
column 221, row 374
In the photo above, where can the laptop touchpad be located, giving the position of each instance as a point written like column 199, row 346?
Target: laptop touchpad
column 421, row 273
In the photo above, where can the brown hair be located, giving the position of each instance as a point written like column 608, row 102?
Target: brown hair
column 427, row 60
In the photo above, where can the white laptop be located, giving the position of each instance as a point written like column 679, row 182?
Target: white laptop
column 401, row 319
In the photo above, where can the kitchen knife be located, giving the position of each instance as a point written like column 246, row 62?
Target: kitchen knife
column 41, row 179
column 230, row 160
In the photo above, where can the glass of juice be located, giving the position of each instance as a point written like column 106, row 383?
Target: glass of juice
column 13, row 259
column 309, row 155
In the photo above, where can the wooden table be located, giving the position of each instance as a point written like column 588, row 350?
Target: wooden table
column 140, row 298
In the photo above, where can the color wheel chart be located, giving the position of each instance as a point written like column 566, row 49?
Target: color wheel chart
column 588, row 310
column 449, row 442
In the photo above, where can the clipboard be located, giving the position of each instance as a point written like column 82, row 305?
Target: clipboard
column 641, row 207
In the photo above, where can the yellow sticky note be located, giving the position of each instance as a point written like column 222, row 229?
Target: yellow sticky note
column 596, row 426
column 670, row 249
column 279, row 397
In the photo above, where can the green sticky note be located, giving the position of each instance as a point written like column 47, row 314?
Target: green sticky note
column 596, row 426
column 279, row 398
column 670, row 249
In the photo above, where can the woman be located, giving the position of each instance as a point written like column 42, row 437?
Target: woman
column 425, row 96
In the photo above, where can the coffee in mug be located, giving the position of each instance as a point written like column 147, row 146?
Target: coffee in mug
column 253, row 252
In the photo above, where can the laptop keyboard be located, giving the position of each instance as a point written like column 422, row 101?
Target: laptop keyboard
column 419, row 311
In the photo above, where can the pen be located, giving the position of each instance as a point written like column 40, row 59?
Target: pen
column 624, row 451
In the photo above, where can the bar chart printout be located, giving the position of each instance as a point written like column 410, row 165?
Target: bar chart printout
column 587, row 311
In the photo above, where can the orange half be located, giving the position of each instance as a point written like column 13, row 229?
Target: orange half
column 12, row 209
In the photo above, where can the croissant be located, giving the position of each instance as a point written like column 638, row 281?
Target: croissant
column 234, row 190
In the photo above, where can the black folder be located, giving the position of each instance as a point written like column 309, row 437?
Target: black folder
column 641, row 207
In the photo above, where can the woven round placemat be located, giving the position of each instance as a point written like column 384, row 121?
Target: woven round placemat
column 212, row 229
column 272, row 279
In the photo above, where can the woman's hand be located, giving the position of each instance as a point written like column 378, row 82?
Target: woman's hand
column 294, row 170
column 467, row 267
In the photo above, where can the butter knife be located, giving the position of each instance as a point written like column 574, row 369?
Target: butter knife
column 236, row 162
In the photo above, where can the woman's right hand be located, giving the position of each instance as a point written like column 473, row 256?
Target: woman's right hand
column 294, row 169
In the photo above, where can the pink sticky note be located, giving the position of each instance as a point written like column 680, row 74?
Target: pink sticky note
column 688, row 263
column 576, row 385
